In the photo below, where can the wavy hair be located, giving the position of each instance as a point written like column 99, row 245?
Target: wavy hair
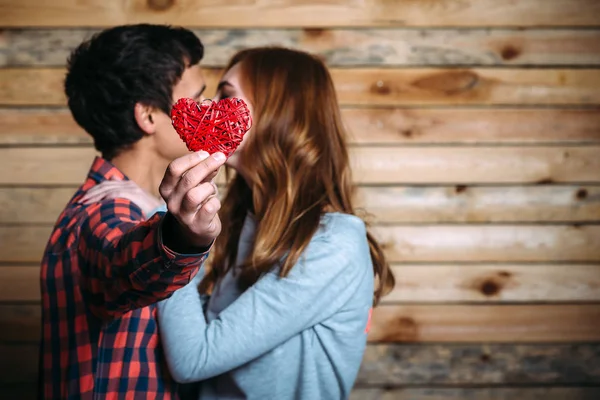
column 300, row 167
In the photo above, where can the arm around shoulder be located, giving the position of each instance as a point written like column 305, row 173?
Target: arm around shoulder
column 266, row 315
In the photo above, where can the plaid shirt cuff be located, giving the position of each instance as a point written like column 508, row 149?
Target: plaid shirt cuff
column 174, row 259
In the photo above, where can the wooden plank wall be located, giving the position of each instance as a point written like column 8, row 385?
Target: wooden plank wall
column 476, row 143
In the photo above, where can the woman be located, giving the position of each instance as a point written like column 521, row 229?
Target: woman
column 283, row 310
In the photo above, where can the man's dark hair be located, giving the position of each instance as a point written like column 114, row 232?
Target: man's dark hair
column 119, row 67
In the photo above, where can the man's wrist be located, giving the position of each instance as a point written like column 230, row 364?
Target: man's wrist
column 175, row 238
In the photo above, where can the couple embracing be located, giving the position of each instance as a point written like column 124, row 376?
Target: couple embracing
column 154, row 287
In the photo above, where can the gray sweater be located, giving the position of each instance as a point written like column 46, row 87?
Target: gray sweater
column 299, row 337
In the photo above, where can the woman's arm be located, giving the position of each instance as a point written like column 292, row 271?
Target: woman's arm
column 265, row 316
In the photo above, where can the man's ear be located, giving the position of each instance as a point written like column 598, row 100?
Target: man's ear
column 143, row 117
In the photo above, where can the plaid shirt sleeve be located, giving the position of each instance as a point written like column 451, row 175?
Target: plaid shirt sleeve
column 125, row 263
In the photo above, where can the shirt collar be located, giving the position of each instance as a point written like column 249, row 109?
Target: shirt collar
column 103, row 169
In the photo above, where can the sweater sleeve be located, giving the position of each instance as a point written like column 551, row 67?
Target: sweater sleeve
column 266, row 315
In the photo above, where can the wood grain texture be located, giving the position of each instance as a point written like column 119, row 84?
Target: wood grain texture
column 291, row 13
column 464, row 125
column 418, row 323
column 40, row 126
column 467, row 86
column 461, row 203
column 368, row 126
column 495, row 393
column 489, row 243
column 44, row 86
column 345, row 47
column 480, row 364
column 375, row 87
column 428, row 243
column 459, row 283
column 19, row 283
column 382, row 204
column 372, row 165
column 20, row 323
column 425, row 365
column 483, row 283
column 465, row 165
column 28, row 392
column 506, row 323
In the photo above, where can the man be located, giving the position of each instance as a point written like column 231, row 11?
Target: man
column 106, row 264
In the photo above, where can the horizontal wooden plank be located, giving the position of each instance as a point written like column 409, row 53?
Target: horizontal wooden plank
column 480, row 364
column 19, row 364
column 290, row 13
column 40, row 126
column 19, row 283
column 381, row 87
column 430, row 365
column 418, row 323
column 467, row 86
column 44, row 87
column 28, row 392
column 496, row 393
column 429, row 243
column 423, row 204
column 20, row 323
column 486, row 323
column 382, row 204
column 368, row 126
column 424, row 283
column 488, row 243
column 476, row 165
column 372, row 165
column 476, row 283
column 345, row 47
column 464, row 125
column 33, row 205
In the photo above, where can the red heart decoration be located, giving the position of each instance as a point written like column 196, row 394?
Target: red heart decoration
column 211, row 126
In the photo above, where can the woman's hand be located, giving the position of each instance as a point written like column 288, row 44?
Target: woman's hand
column 112, row 189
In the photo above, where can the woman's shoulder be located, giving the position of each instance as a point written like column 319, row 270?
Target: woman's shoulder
column 341, row 231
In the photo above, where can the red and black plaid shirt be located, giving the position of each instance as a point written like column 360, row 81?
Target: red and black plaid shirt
column 104, row 269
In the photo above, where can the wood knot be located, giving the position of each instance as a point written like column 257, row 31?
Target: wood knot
column 160, row 5
column 510, row 53
column 407, row 329
column 460, row 189
column 314, row 33
column 381, row 87
column 448, row 82
column 581, row 194
column 490, row 288
column 491, row 285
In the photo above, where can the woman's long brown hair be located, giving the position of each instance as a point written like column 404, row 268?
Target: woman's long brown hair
column 299, row 168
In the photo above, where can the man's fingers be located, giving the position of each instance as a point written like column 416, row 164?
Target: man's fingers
column 177, row 168
column 194, row 177
column 196, row 197
column 201, row 172
column 208, row 212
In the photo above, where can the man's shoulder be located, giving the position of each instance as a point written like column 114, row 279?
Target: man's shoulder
column 105, row 215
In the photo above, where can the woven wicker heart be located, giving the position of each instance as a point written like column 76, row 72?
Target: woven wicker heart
column 211, row 126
